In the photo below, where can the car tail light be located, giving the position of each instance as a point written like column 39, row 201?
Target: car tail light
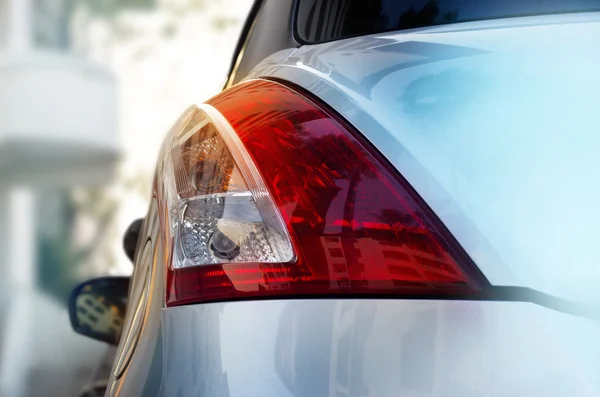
column 266, row 193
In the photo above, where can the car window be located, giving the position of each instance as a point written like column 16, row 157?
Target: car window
column 326, row 20
column 270, row 31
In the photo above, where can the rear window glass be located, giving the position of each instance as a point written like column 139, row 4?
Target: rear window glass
column 326, row 20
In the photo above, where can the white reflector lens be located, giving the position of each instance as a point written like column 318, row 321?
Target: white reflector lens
column 219, row 208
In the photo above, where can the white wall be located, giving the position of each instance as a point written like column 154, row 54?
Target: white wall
column 50, row 97
column 18, row 19
column 3, row 26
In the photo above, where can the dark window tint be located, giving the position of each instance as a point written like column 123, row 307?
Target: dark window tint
column 325, row 20
column 268, row 30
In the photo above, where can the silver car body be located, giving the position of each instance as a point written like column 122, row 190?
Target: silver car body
column 474, row 115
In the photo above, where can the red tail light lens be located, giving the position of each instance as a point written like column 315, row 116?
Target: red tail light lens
column 353, row 226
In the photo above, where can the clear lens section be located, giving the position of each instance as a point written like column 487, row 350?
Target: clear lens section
column 219, row 209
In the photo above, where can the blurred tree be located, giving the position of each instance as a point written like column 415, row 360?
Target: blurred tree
column 111, row 7
column 52, row 17
column 64, row 256
column 221, row 23
column 61, row 258
column 54, row 267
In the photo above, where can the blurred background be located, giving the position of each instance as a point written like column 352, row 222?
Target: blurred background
column 88, row 89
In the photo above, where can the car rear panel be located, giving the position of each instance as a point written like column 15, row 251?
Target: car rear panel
column 493, row 123
column 378, row 348
column 437, row 103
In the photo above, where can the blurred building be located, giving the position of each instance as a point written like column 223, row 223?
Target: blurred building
column 58, row 129
column 58, row 148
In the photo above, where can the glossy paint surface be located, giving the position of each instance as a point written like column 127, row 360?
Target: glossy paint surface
column 474, row 116
column 377, row 348
column 493, row 123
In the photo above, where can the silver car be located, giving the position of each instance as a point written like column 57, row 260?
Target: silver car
column 389, row 198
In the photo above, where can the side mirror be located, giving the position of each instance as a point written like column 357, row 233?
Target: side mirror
column 97, row 308
column 131, row 237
